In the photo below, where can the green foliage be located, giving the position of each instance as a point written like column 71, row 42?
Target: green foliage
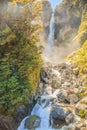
column 82, row 30
column 18, row 76
column 20, row 58
column 82, row 113
column 82, row 33
column 79, row 58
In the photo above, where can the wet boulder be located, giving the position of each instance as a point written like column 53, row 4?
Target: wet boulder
column 60, row 116
column 62, row 96
column 32, row 122
column 56, row 83
column 22, row 111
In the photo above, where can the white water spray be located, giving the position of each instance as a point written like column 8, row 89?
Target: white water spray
column 51, row 31
column 50, row 45
column 43, row 113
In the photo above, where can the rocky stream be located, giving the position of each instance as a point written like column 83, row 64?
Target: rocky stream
column 58, row 101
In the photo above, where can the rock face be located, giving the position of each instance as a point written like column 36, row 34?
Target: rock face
column 22, row 111
column 67, row 21
column 32, row 122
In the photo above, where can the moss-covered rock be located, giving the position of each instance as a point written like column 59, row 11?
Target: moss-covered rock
column 32, row 122
column 81, row 108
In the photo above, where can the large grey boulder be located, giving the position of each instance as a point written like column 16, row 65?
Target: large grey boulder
column 60, row 116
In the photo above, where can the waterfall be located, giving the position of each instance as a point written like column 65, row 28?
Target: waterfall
column 51, row 31
column 50, row 42
column 43, row 112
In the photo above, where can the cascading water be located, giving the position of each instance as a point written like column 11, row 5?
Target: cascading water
column 43, row 109
column 51, row 32
column 50, row 43
column 40, row 110
column 44, row 114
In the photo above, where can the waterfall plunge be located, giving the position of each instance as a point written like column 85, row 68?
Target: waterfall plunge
column 51, row 32
column 48, row 51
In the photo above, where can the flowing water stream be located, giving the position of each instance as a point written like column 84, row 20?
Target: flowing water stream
column 50, row 45
column 51, row 32
column 43, row 109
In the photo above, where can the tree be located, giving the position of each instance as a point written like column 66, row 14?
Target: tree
column 20, row 57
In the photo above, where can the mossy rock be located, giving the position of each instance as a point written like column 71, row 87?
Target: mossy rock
column 81, row 108
column 82, row 113
column 32, row 122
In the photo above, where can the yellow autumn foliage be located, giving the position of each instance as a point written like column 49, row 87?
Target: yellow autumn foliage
column 79, row 58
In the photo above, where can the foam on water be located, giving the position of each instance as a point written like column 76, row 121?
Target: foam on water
column 44, row 114
column 21, row 127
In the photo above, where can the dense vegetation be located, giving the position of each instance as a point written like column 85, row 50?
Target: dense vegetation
column 82, row 32
column 20, row 59
column 79, row 57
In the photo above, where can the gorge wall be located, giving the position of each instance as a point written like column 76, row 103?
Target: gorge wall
column 67, row 21
column 68, row 18
column 69, row 28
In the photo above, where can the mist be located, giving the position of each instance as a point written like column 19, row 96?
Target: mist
column 57, row 54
